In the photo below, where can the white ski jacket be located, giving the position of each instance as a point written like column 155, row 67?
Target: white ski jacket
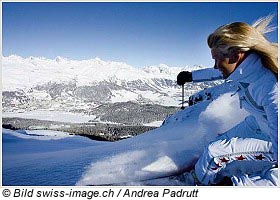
column 258, row 93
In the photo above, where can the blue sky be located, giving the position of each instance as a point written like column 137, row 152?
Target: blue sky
column 140, row 34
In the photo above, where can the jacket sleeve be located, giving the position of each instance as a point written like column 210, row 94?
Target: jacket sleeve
column 207, row 74
column 270, row 104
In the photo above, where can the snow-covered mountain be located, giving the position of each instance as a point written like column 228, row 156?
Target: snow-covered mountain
column 29, row 72
column 62, row 84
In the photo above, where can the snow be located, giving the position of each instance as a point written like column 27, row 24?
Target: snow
column 170, row 148
column 157, row 98
column 59, row 116
column 40, row 134
column 220, row 120
column 163, row 164
column 154, row 124
column 123, row 96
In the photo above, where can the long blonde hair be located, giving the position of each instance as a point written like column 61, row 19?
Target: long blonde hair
column 243, row 37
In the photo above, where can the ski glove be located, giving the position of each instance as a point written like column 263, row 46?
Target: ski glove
column 183, row 77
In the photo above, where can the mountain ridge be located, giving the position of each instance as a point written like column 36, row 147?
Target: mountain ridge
column 84, row 71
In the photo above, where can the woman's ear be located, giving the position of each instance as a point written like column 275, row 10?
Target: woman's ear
column 236, row 56
column 233, row 56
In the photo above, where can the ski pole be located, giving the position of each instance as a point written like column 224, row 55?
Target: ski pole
column 183, row 92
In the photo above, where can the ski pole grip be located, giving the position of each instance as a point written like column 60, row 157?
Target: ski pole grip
column 183, row 93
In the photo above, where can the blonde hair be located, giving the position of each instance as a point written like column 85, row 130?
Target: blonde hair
column 243, row 37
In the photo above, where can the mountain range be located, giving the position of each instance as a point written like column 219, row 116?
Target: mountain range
column 94, row 87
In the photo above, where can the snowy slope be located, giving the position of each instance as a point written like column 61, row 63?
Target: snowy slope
column 172, row 147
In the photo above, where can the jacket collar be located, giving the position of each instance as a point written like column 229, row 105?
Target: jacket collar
column 249, row 71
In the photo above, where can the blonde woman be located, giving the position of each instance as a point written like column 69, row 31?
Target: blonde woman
column 247, row 153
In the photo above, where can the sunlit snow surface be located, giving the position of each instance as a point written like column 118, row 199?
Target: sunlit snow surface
column 74, row 160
